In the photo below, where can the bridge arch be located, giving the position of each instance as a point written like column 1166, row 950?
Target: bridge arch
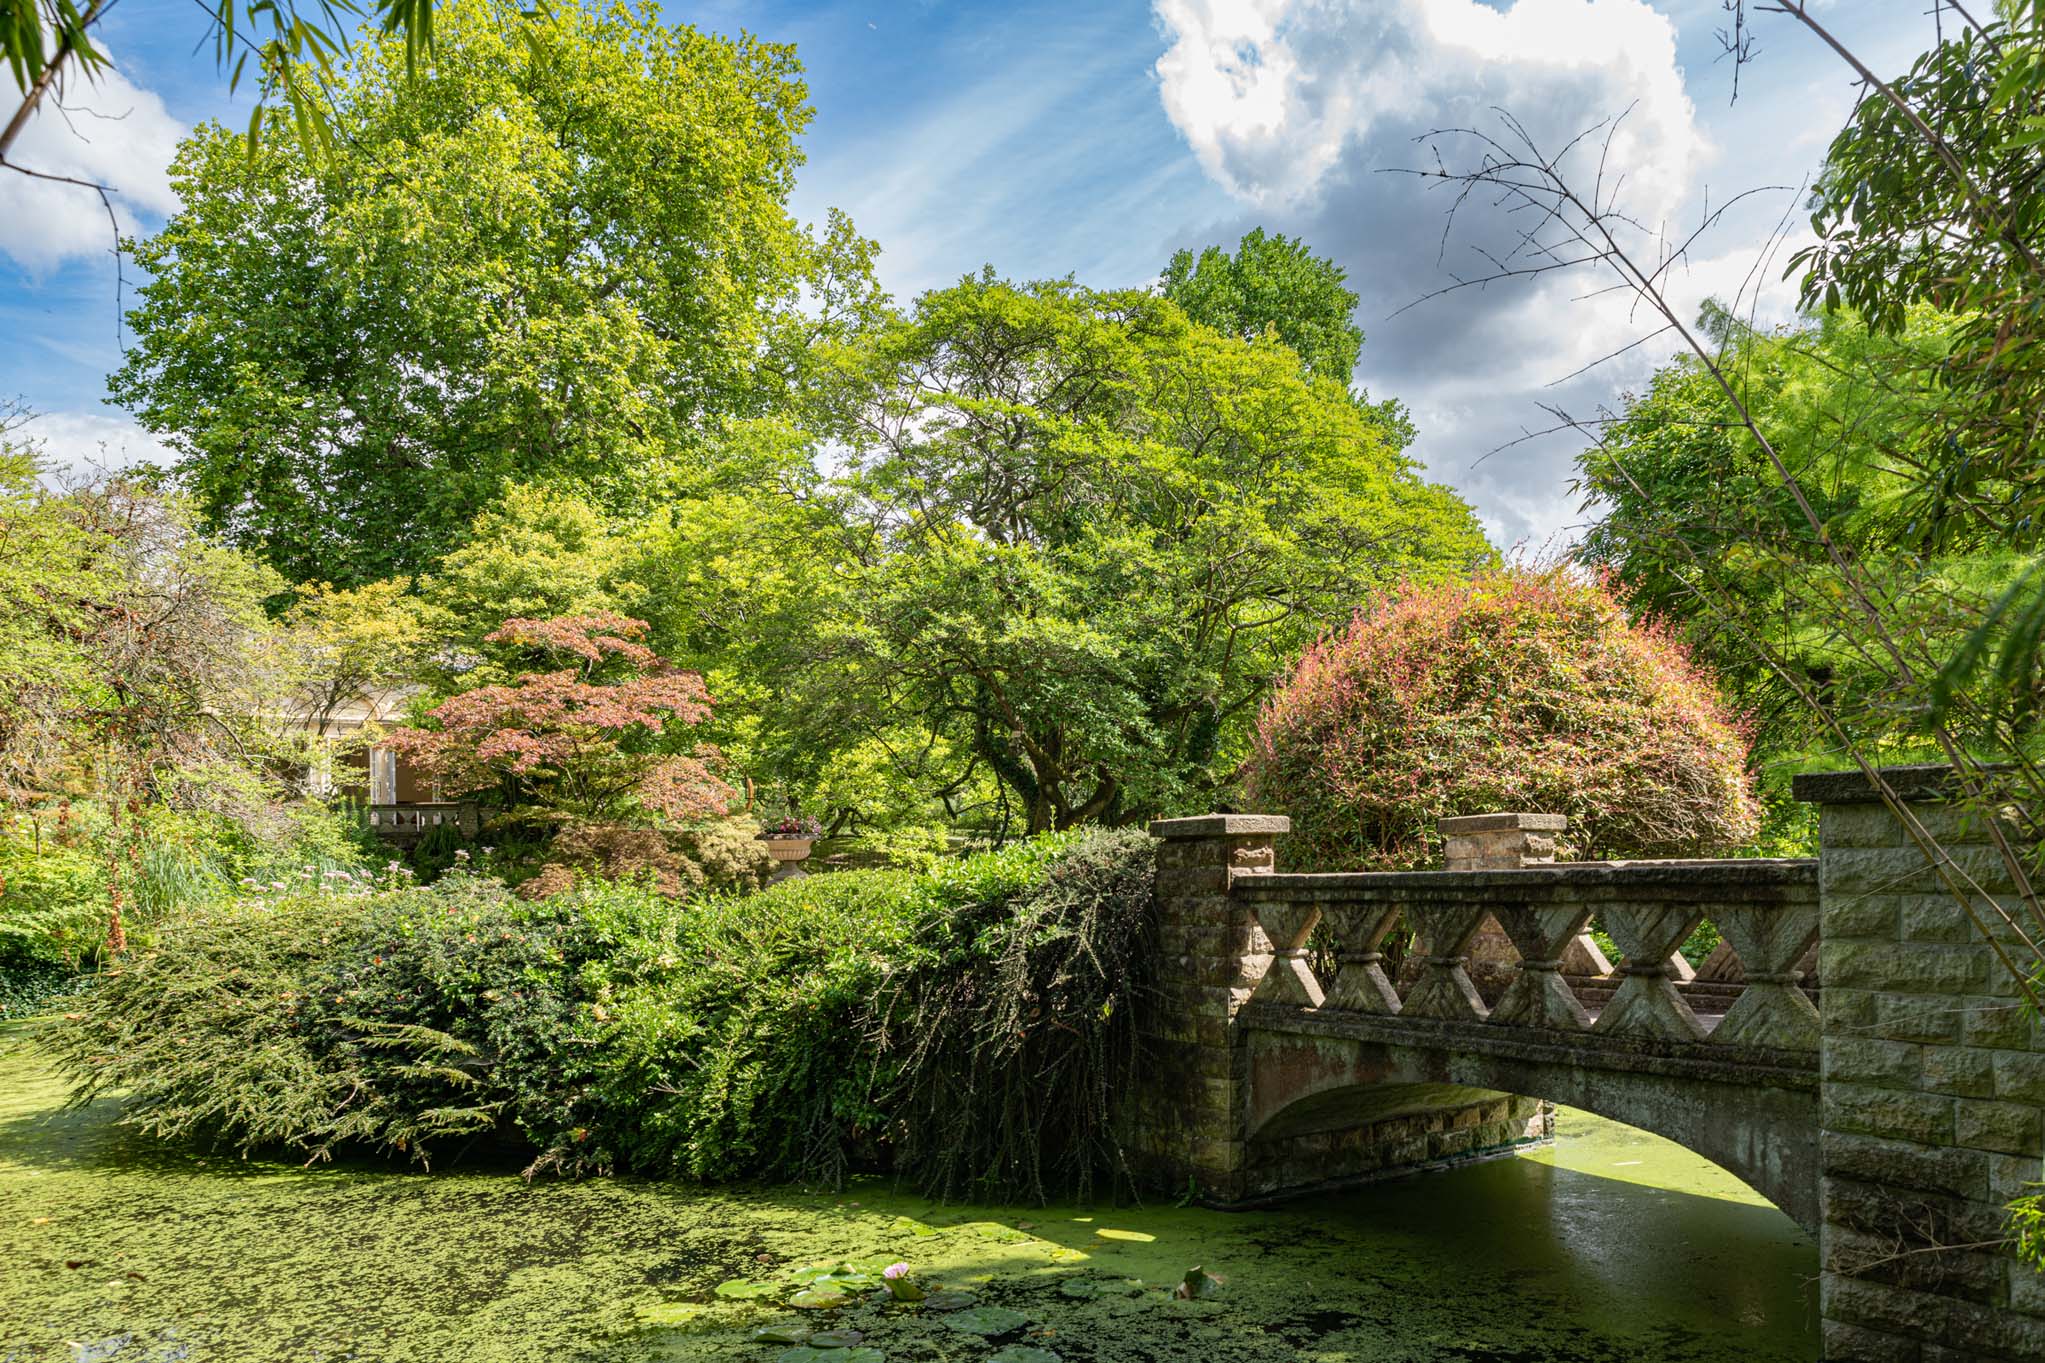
column 1314, row 1094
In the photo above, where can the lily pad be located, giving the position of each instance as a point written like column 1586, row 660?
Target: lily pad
column 990, row 1322
column 947, row 1301
column 806, row 1354
column 1080, row 1289
column 747, row 1289
column 1023, row 1353
column 781, row 1334
column 834, row 1339
column 834, row 1275
column 820, row 1299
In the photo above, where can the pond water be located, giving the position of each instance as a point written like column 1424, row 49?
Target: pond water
column 1611, row 1245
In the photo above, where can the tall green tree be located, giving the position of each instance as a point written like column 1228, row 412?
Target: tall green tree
column 561, row 255
column 1077, row 534
column 1272, row 285
column 1276, row 286
column 1932, row 196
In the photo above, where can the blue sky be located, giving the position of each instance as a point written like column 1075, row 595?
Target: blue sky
column 1093, row 139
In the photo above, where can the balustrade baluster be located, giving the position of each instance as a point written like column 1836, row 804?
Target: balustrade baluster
column 1444, row 989
column 1360, row 983
column 1647, row 1003
column 1771, row 1010
column 1289, row 979
column 1538, row 995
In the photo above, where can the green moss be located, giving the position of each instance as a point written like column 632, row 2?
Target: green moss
column 123, row 1248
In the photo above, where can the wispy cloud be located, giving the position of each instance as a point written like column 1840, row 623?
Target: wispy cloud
column 108, row 132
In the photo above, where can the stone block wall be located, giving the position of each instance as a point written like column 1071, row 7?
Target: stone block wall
column 1454, row 1130
column 1933, row 1093
column 1187, row 1124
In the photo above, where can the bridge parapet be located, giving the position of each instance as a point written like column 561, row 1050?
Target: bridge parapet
column 1767, row 911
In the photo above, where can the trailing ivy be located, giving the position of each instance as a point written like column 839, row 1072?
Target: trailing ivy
column 968, row 1027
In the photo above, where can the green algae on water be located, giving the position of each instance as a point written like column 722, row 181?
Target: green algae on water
column 1613, row 1246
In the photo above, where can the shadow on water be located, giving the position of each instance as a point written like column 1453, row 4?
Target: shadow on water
column 124, row 1250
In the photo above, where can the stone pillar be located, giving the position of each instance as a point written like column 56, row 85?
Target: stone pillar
column 1499, row 842
column 1190, row 1116
column 1932, row 1102
column 1502, row 842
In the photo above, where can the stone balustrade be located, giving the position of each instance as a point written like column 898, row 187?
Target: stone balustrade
column 408, row 823
column 1766, row 910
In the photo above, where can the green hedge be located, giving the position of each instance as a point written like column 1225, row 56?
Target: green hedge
column 966, row 1026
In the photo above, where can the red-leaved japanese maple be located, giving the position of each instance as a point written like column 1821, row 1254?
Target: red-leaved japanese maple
column 584, row 741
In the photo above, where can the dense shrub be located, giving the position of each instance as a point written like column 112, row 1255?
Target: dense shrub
column 968, row 1026
column 712, row 855
column 334, row 1012
column 1516, row 691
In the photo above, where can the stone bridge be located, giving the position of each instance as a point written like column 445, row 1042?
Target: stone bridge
column 1892, row 1112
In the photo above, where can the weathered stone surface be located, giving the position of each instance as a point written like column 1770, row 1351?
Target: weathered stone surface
column 1466, row 824
column 1538, row 996
column 2009, row 1128
column 1771, row 1010
column 1289, row 979
column 1932, row 1094
column 1360, row 984
column 1897, row 1111
column 1872, row 1061
column 1646, row 1002
column 1927, row 782
column 1444, row 989
column 1220, row 826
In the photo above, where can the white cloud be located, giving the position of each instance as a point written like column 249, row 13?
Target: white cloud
column 108, row 131
column 79, row 444
column 1273, row 94
column 1299, row 107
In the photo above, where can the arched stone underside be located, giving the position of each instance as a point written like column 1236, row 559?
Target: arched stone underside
column 1310, row 1078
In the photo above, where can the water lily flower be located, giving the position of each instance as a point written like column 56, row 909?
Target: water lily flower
column 895, row 1270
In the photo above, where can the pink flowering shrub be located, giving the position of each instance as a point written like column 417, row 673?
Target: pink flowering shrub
column 1518, row 690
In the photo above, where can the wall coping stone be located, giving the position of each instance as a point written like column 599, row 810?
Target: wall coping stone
column 1703, row 880
column 1929, row 782
column 1462, row 825
column 1219, row 826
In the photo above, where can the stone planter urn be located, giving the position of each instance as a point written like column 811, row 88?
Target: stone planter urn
column 789, row 852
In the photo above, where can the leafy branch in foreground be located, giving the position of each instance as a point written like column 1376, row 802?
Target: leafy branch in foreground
column 294, row 45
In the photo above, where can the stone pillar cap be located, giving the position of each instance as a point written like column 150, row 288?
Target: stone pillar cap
column 1219, row 825
column 1929, row 782
column 1466, row 824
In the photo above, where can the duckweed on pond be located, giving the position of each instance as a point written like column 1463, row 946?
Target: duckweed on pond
column 1612, row 1246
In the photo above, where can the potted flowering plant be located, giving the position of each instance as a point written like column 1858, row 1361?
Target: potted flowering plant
column 788, row 842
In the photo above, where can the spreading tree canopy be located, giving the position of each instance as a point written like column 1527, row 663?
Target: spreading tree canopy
column 1272, row 285
column 1077, row 534
column 1695, row 524
column 561, row 255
